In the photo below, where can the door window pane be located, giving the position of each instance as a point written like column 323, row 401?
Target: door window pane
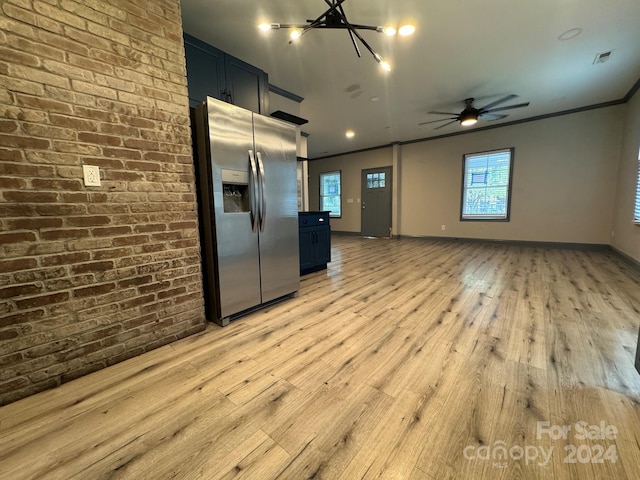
column 376, row 180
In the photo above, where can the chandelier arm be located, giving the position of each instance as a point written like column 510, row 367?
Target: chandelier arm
column 332, row 9
column 353, row 40
column 353, row 31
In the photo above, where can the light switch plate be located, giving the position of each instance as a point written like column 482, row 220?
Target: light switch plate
column 91, row 175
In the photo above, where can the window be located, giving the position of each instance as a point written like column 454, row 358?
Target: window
column 486, row 185
column 376, row 180
column 636, row 211
column 330, row 193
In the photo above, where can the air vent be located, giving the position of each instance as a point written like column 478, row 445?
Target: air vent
column 602, row 57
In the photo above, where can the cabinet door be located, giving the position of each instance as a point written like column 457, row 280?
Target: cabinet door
column 323, row 245
column 307, row 248
column 205, row 71
column 248, row 85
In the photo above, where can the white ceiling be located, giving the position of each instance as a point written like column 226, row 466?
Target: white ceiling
column 461, row 48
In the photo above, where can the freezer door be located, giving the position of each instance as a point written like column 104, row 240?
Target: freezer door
column 275, row 143
column 231, row 153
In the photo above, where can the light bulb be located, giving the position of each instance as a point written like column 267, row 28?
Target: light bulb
column 350, row 134
column 467, row 122
column 406, row 30
column 390, row 31
column 295, row 34
column 264, row 26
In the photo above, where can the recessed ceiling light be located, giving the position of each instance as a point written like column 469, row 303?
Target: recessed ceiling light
column 350, row 134
column 569, row 34
column 406, row 30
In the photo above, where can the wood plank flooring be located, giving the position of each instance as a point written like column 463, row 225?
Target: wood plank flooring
column 406, row 359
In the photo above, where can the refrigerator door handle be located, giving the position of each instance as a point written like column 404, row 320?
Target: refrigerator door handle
column 263, row 208
column 254, row 192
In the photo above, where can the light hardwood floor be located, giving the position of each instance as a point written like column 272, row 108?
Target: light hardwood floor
column 406, row 359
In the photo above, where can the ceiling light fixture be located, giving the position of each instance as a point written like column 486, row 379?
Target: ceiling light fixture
column 335, row 18
column 468, row 119
column 350, row 134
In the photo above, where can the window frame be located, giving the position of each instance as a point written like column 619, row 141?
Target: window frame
column 636, row 203
column 339, row 195
column 488, row 218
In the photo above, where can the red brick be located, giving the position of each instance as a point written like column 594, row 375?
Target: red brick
column 99, row 139
column 59, row 209
column 12, row 183
column 34, row 223
column 110, row 231
column 91, row 267
column 89, row 221
column 43, row 300
column 21, row 317
column 9, row 126
column 23, row 142
column 20, row 290
column 10, row 155
column 42, row 184
column 64, row 234
column 94, row 290
column 95, row 114
column 8, row 334
column 66, row 259
column 136, row 302
column 111, row 253
column 17, row 237
column 131, row 240
column 30, row 197
column 135, row 281
column 122, row 153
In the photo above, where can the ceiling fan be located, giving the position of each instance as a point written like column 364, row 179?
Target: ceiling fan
column 335, row 18
column 470, row 115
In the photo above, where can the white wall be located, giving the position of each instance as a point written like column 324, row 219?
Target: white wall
column 627, row 235
column 564, row 180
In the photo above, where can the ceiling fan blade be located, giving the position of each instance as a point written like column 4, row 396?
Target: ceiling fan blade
column 445, row 113
column 498, row 102
column 492, row 116
column 510, row 107
column 436, row 121
column 442, row 126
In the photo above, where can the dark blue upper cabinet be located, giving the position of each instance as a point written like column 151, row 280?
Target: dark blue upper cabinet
column 212, row 72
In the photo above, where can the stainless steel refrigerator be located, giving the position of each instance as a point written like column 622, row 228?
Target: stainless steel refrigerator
column 249, row 211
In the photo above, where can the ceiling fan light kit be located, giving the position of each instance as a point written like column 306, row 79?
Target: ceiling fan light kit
column 335, row 18
column 468, row 119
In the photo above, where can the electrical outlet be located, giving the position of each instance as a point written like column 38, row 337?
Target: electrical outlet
column 91, row 175
column 443, row 227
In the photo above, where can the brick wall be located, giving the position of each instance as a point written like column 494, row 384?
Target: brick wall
column 90, row 276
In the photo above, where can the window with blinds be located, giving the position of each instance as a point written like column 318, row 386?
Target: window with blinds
column 636, row 210
column 330, row 193
column 486, row 185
